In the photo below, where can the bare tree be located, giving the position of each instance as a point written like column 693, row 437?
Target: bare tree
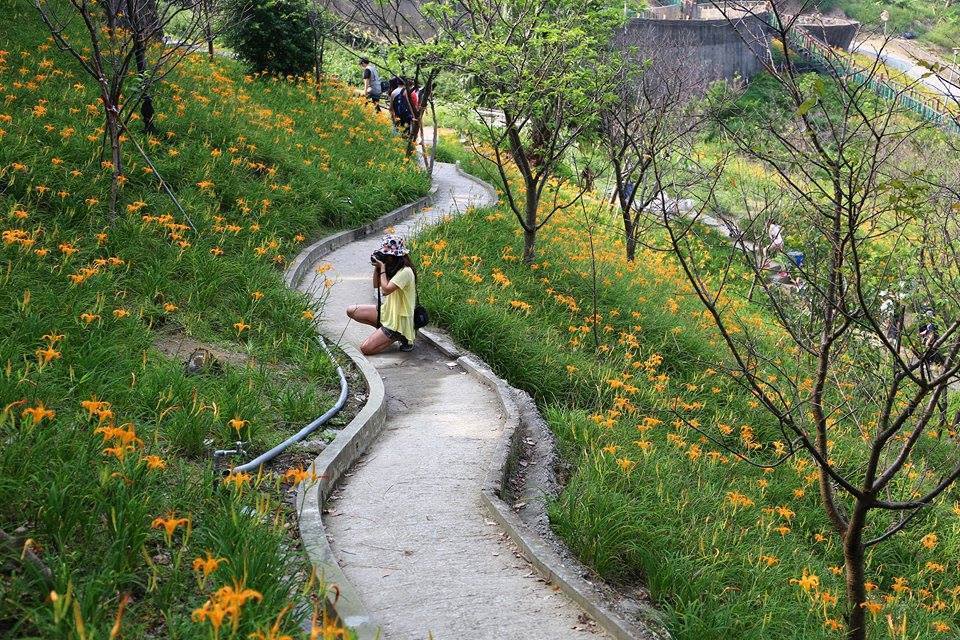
column 411, row 34
column 323, row 23
column 653, row 118
column 875, row 216
column 125, row 52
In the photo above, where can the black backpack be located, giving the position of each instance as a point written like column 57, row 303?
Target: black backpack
column 420, row 317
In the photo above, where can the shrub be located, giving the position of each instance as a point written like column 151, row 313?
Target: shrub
column 271, row 35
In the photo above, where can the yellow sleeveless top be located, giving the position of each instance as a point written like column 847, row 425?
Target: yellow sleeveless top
column 397, row 310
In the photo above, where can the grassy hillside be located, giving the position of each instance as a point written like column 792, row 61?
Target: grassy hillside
column 619, row 357
column 109, row 503
column 936, row 22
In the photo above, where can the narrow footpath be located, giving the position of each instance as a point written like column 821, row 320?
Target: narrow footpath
column 408, row 526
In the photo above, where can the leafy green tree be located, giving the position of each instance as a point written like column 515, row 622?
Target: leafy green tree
column 543, row 65
column 275, row 36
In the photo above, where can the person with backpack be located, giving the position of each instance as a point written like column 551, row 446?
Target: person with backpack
column 396, row 316
column 400, row 107
column 372, row 88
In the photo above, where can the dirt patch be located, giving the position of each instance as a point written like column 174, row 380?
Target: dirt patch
column 179, row 346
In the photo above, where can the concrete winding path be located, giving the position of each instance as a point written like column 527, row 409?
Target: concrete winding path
column 408, row 526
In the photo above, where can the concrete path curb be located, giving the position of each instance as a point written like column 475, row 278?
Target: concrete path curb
column 330, row 465
column 350, row 443
column 354, row 439
column 546, row 559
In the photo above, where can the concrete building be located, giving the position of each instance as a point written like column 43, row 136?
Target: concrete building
column 725, row 43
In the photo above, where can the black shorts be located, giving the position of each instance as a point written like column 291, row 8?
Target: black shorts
column 396, row 336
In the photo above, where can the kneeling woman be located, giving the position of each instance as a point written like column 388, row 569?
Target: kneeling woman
column 396, row 279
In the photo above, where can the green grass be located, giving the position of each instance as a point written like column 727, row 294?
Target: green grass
column 649, row 499
column 935, row 22
column 261, row 166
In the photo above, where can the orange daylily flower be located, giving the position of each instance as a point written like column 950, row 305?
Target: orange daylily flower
column 46, row 355
column 170, row 523
column 296, row 476
column 39, row 413
column 207, row 565
column 237, row 479
column 119, row 452
column 155, row 462
column 125, row 435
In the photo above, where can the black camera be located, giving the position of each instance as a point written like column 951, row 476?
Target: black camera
column 378, row 256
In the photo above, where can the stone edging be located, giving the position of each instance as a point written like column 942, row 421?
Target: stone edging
column 349, row 444
column 333, row 462
column 544, row 558
column 483, row 184
column 307, row 257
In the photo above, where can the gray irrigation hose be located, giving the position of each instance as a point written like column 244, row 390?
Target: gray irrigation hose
column 263, row 458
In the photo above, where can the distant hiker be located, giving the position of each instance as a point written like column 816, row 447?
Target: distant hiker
column 930, row 337
column 395, row 279
column 413, row 97
column 775, row 233
column 371, row 83
column 400, row 107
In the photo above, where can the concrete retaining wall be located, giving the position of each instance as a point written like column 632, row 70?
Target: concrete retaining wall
column 721, row 49
column 836, row 33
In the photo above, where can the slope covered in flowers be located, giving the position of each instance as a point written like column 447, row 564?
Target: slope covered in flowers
column 112, row 513
column 617, row 361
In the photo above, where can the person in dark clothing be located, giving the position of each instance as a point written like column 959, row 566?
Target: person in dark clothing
column 400, row 107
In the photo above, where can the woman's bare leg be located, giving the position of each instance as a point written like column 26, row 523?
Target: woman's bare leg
column 363, row 313
column 376, row 342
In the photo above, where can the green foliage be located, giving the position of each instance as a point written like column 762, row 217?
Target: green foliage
column 274, row 36
column 260, row 165
column 937, row 22
column 719, row 544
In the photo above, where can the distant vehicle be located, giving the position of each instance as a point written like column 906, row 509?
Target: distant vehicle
column 909, row 35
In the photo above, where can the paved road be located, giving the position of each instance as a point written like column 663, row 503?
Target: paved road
column 905, row 57
column 408, row 528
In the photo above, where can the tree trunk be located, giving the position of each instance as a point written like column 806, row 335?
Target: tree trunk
column 113, row 133
column 323, row 45
column 853, row 553
column 207, row 28
column 137, row 24
column 539, row 140
column 529, row 246
column 208, row 35
column 530, row 227
column 629, row 237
